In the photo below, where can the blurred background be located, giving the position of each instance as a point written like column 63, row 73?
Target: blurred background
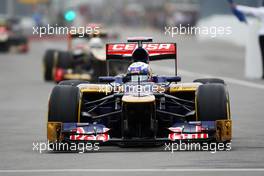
column 148, row 13
column 149, row 18
column 24, row 93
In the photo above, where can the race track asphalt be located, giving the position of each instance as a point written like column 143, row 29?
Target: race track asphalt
column 23, row 106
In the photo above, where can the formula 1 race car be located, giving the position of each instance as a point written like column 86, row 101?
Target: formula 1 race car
column 11, row 39
column 83, row 60
column 139, row 108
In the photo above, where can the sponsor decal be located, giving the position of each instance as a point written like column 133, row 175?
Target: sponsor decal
column 88, row 137
column 152, row 48
column 178, row 133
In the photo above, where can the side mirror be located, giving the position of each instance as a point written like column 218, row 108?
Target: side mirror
column 162, row 79
column 173, row 79
column 106, row 79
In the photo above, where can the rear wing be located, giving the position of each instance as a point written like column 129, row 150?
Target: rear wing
column 88, row 36
column 157, row 51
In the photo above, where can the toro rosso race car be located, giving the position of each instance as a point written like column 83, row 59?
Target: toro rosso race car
column 139, row 108
column 84, row 59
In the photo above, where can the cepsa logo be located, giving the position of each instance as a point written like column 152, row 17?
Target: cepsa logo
column 149, row 46
column 152, row 48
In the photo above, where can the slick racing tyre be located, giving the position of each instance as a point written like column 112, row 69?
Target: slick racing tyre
column 23, row 41
column 48, row 64
column 212, row 102
column 210, row 80
column 64, row 108
column 65, row 60
column 64, row 104
column 4, row 46
column 73, row 82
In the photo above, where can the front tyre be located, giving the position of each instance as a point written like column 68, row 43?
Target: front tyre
column 64, row 107
column 64, row 104
column 212, row 104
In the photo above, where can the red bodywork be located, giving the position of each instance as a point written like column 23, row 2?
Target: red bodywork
column 152, row 48
column 59, row 73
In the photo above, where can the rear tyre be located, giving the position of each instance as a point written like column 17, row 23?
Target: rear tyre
column 24, row 42
column 48, row 64
column 210, row 80
column 4, row 46
column 64, row 104
column 65, row 60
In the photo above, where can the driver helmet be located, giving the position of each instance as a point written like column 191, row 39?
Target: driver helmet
column 139, row 71
column 96, row 43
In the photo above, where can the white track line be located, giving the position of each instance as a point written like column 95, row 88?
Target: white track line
column 133, row 170
column 195, row 75
column 226, row 79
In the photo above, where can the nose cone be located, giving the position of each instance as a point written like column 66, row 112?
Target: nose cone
column 137, row 99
